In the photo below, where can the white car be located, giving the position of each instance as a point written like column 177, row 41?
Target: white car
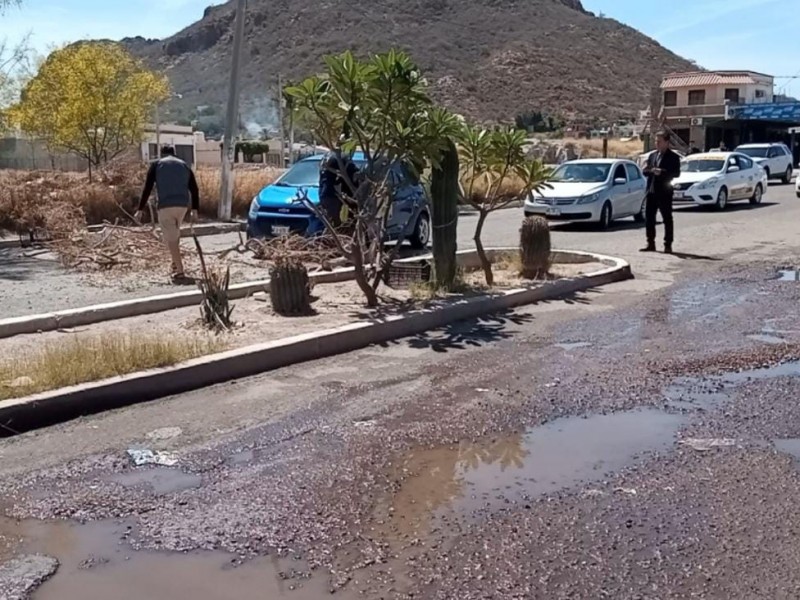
column 643, row 158
column 797, row 187
column 775, row 158
column 717, row 178
column 592, row 190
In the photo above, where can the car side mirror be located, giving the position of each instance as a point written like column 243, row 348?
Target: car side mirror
column 733, row 169
column 620, row 181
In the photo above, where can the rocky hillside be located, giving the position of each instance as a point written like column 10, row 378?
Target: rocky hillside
column 488, row 59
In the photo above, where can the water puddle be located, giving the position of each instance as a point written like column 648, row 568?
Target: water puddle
column 569, row 346
column 491, row 474
column 97, row 562
column 703, row 301
column 766, row 338
column 789, row 275
column 162, row 480
column 789, row 446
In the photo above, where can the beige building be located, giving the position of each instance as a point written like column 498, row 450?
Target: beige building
column 714, row 107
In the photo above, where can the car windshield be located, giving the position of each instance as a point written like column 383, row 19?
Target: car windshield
column 581, row 173
column 303, row 174
column 703, row 165
column 754, row 152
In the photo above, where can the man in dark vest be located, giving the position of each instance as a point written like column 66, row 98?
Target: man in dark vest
column 178, row 195
column 337, row 172
column 662, row 167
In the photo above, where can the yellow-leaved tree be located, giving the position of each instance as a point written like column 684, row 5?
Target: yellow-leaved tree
column 90, row 98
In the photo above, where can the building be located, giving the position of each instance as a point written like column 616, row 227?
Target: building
column 181, row 137
column 731, row 107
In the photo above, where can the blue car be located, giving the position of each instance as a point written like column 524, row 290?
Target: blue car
column 279, row 208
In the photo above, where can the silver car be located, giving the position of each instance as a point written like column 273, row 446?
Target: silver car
column 592, row 190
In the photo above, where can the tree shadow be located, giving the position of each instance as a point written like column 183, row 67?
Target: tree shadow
column 470, row 333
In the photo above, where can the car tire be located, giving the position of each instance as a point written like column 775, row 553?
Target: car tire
column 606, row 217
column 421, row 236
column 722, row 199
column 640, row 217
column 758, row 195
column 787, row 177
column 766, row 170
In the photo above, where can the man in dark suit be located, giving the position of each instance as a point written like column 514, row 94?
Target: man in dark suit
column 663, row 166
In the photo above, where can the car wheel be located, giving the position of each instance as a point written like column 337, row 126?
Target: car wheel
column 758, row 195
column 605, row 216
column 422, row 232
column 787, row 177
column 640, row 216
column 722, row 199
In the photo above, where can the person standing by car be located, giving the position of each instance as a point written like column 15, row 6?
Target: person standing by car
column 333, row 184
column 178, row 195
column 693, row 149
column 662, row 167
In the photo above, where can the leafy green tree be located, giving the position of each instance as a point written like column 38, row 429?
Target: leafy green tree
column 496, row 173
column 381, row 107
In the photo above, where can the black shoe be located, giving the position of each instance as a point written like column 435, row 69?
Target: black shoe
column 667, row 248
column 649, row 248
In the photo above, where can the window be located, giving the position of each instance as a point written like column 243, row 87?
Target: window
column 633, row 172
column 773, row 153
column 761, row 94
column 732, row 95
column 697, row 97
column 671, row 98
column 733, row 162
column 745, row 163
column 619, row 173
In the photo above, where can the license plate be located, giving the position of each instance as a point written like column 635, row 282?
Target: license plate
column 553, row 212
column 280, row 230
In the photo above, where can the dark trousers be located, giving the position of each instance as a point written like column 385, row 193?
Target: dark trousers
column 333, row 209
column 659, row 203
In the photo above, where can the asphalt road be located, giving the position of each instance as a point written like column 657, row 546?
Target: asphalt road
column 622, row 443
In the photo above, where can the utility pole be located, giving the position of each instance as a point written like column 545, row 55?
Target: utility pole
column 158, row 131
column 281, row 128
column 229, row 139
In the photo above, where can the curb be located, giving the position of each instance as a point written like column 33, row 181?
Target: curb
column 87, row 315
column 41, row 410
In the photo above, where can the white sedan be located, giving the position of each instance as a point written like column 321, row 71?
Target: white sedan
column 797, row 187
column 717, row 178
column 593, row 190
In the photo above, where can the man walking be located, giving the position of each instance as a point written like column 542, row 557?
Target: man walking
column 663, row 166
column 177, row 192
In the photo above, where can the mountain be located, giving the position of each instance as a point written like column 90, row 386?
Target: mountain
column 487, row 59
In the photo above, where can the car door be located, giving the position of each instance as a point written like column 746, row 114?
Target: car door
column 638, row 186
column 620, row 192
column 407, row 200
column 734, row 179
column 749, row 176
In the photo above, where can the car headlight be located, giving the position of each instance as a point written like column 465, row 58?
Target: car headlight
column 253, row 213
column 707, row 184
column 589, row 198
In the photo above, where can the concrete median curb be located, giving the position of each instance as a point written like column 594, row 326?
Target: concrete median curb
column 57, row 406
column 87, row 315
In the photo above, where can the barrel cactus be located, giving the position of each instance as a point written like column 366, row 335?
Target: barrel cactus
column 289, row 288
column 534, row 247
column 444, row 202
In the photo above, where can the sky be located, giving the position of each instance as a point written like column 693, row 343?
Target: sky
column 759, row 35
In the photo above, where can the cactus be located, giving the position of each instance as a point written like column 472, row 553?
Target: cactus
column 534, row 247
column 444, row 200
column 289, row 288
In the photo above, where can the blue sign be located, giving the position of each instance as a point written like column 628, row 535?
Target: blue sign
column 784, row 112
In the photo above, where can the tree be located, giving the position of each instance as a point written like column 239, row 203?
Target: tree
column 90, row 98
column 496, row 173
column 380, row 107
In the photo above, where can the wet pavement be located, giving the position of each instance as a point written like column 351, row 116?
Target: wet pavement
column 645, row 450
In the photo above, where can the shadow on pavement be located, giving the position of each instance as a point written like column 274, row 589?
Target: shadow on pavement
column 688, row 256
column 472, row 333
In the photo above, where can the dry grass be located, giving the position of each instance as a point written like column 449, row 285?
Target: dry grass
column 27, row 198
column 593, row 148
column 86, row 359
column 247, row 183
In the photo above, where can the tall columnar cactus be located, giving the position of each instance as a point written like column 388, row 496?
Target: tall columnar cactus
column 534, row 247
column 444, row 199
column 289, row 288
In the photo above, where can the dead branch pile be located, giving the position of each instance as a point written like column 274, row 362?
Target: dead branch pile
column 321, row 251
